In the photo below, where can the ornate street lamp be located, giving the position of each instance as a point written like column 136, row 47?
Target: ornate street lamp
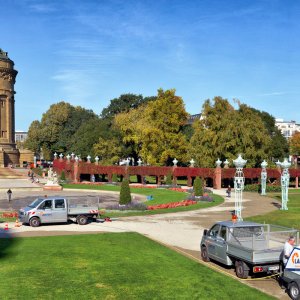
column 68, row 157
column 88, row 158
column 139, row 162
column 76, row 158
column 263, row 177
column 55, row 155
column 218, row 163
column 61, row 156
column 175, row 161
column 97, row 159
column 72, row 156
column 239, row 181
column 285, row 180
column 192, row 162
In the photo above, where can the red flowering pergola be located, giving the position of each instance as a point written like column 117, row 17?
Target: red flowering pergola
column 74, row 169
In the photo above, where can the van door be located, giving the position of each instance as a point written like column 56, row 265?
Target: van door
column 44, row 211
column 221, row 245
column 60, row 210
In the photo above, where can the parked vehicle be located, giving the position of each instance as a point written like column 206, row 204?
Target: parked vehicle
column 291, row 274
column 249, row 247
column 55, row 210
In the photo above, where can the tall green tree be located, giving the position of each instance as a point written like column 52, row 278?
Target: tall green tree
column 154, row 129
column 224, row 132
column 295, row 144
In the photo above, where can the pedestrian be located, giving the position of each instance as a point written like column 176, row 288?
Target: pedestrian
column 228, row 191
column 9, row 192
column 287, row 249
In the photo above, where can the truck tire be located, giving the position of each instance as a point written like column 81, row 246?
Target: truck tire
column 204, row 254
column 82, row 220
column 241, row 269
column 294, row 291
column 35, row 222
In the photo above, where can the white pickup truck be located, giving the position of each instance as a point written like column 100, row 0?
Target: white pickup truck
column 249, row 247
column 55, row 210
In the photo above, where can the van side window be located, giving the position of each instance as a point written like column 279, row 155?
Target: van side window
column 46, row 204
column 223, row 232
column 214, row 230
column 59, row 203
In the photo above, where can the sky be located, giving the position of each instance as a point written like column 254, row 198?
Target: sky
column 89, row 52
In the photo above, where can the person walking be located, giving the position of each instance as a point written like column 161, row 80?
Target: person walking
column 228, row 191
column 9, row 192
column 287, row 249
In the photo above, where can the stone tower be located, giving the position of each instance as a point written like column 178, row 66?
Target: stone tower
column 8, row 152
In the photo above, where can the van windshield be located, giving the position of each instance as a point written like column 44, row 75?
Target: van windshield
column 35, row 203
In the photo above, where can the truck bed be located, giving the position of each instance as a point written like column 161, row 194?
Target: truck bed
column 254, row 256
column 77, row 209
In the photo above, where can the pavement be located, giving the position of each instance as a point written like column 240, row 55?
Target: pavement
column 181, row 231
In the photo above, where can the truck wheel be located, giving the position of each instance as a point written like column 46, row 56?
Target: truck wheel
column 82, row 220
column 294, row 291
column 204, row 254
column 241, row 270
column 34, row 222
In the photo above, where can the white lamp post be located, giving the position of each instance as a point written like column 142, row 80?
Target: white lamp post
column 55, row 155
column 61, row 156
column 264, row 176
column 285, row 180
column 218, row 163
column 175, row 161
column 88, row 158
column 239, row 181
column 139, row 162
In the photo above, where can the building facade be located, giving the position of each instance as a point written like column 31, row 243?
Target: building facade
column 287, row 128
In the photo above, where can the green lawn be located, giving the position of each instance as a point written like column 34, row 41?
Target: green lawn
column 160, row 196
column 108, row 266
column 288, row 218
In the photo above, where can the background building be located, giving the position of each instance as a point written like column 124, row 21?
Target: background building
column 287, row 128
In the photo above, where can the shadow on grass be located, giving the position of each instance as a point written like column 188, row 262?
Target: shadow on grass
column 7, row 243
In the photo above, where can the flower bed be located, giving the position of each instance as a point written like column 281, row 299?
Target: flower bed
column 172, row 205
column 9, row 215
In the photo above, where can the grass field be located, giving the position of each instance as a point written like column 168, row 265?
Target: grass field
column 160, row 196
column 108, row 266
column 288, row 218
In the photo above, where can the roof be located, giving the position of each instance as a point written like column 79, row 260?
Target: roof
column 4, row 56
column 239, row 224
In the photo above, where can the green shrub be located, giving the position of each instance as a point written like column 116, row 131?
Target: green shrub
column 114, row 178
column 169, row 179
column 257, row 188
column 63, row 175
column 198, row 186
column 125, row 195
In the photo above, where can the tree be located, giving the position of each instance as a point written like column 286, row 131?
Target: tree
column 33, row 142
column 154, row 130
column 224, row 132
column 198, row 186
column 55, row 131
column 295, row 144
column 279, row 147
column 125, row 195
column 124, row 103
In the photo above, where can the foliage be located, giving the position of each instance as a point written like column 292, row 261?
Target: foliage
column 225, row 132
column 154, row 129
column 257, row 188
column 198, row 186
column 55, row 131
column 62, row 175
column 279, row 145
column 295, row 144
column 169, row 179
column 119, row 266
column 114, row 178
column 125, row 195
